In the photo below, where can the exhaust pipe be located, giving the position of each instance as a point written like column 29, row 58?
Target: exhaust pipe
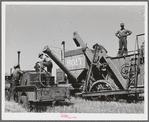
column 19, row 57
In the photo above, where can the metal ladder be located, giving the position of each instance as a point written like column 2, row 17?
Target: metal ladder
column 133, row 69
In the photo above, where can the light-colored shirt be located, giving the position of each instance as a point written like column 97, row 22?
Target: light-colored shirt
column 123, row 33
column 45, row 58
column 16, row 74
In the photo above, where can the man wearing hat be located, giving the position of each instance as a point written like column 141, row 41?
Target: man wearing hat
column 16, row 75
column 122, row 35
column 45, row 62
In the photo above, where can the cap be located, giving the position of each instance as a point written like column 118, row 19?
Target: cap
column 16, row 65
column 122, row 24
column 94, row 46
column 40, row 54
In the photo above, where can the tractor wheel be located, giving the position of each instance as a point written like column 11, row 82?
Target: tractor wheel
column 24, row 101
column 16, row 97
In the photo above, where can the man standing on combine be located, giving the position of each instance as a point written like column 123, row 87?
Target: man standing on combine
column 122, row 35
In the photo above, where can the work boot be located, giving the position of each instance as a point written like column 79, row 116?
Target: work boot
column 120, row 52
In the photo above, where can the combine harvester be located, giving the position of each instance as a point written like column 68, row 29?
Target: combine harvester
column 95, row 75
column 90, row 74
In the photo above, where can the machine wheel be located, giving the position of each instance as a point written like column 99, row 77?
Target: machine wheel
column 99, row 86
column 125, row 71
column 109, row 98
column 137, row 97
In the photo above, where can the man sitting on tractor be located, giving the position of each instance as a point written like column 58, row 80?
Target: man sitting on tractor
column 44, row 62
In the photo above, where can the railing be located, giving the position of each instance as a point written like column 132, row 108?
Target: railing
column 138, row 63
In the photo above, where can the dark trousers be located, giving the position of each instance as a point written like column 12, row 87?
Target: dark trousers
column 12, row 90
column 49, row 66
column 122, row 46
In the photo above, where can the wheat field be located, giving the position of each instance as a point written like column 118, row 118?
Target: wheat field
column 79, row 105
column 12, row 107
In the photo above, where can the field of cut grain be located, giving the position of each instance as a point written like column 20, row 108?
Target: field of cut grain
column 79, row 105
column 12, row 107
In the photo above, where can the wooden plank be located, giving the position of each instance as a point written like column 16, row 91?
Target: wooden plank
column 79, row 42
column 26, row 88
column 115, row 92
column 105, row 93
column 119, row 57
column 116, row 72
column 137, row 90
column 73, row 52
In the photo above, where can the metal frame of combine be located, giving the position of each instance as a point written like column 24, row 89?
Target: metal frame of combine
column 102, row 77
column 121, row 85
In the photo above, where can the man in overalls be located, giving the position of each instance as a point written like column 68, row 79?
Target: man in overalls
column 16, row 75
column 122, row 35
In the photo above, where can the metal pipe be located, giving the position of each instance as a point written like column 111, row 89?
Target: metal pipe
column 138, row 63
column 63, row 43
column 141, row 34
column 63, row 56
column 71, row 77
column 18, row 57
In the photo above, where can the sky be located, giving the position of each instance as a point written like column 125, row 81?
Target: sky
column 29, row 28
